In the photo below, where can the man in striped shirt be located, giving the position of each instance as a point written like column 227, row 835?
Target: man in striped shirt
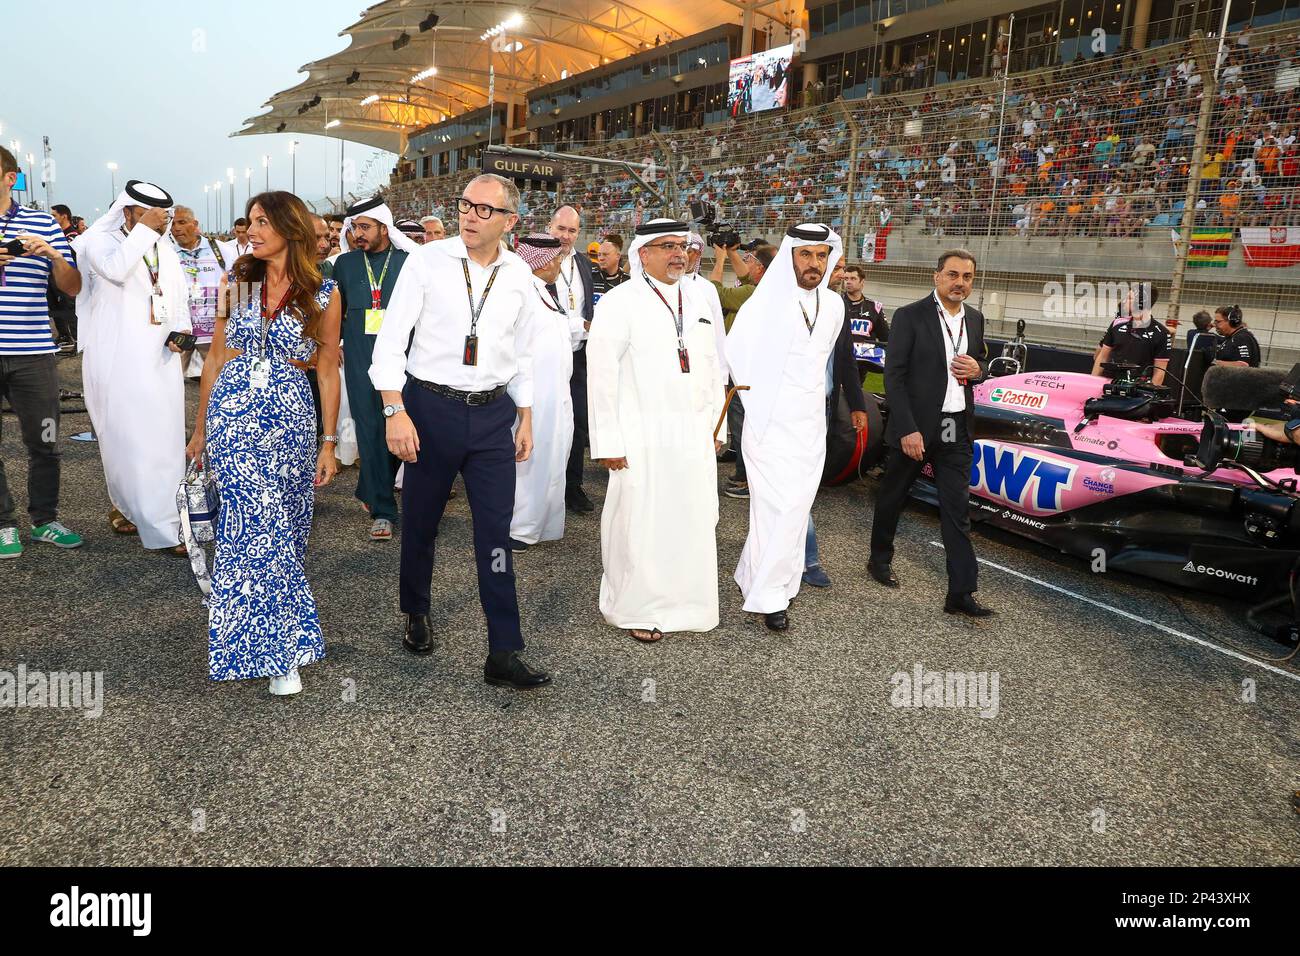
column 27, row 357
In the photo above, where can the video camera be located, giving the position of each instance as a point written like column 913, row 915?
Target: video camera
column 716, row 233
column 1220, row 444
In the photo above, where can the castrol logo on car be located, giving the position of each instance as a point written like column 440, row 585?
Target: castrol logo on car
column 1018, row 398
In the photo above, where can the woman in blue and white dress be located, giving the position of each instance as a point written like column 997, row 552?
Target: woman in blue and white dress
column 257, row 426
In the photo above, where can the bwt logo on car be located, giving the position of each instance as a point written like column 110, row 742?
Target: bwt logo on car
column 1017, row 398
column 1018, row 476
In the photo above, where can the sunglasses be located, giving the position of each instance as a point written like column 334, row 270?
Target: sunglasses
column 667, row 246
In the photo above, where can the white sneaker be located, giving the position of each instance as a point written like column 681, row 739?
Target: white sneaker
column 287, row 684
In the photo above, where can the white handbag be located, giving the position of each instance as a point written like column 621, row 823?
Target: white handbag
column 198, row 501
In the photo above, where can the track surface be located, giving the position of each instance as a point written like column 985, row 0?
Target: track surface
column 1114, row 741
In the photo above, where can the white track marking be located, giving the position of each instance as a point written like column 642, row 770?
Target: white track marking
column 1138, row 618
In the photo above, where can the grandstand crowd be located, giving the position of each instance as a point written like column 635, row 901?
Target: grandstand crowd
column 1096, row 149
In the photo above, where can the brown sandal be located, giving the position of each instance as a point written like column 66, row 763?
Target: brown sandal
column 655, row 635
column 120, row 523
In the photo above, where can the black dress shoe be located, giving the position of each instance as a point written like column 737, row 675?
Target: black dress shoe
column 507, row 669
column 882, row 574
column 419, row 634
column 965, row 604
column 777, row 621
column 576, row 500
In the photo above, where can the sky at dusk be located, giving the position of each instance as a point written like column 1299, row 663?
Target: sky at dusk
column 157, row 87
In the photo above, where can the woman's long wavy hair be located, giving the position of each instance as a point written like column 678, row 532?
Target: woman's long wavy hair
column 289, row 217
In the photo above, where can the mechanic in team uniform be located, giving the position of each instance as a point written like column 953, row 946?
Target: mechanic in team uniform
column 1138, row 339
column 869, row 315
column 1239, row 345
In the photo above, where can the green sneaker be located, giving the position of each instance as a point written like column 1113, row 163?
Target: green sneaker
column 56, row 534
column 10, row 546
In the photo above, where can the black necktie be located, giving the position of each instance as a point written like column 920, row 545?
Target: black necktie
column 555, row 295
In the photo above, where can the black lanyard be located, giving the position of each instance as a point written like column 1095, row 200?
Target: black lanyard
column 476, row 310
column 557, row 308
column 961, row 328
column 153, row 267
column 470, row 355
column 683, row 356
column 817, row 313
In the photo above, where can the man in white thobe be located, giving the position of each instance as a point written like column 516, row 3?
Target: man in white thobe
column 655, row 391
column 779, row 346
column 556, row 332
column 134, row 299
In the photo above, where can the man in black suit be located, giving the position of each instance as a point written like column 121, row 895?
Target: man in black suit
column 929, row 373
column 576, row 293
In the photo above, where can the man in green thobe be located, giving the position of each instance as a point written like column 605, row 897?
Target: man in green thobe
column 366, row 274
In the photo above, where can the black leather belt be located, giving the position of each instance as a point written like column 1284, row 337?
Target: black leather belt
column 455, row 394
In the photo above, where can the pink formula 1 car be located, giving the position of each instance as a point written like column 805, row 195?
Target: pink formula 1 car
column 1106, row 472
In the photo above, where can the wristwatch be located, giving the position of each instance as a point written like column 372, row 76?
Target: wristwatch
column 391, row 410
column 331, row 439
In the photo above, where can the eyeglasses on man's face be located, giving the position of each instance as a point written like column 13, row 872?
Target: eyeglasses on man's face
column 667, row 246
column 481, row 209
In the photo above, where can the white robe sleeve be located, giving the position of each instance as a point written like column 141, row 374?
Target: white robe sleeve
column 115, row 261
column 606, row 345
column 719, row 390
column 388, row 358
column 520, row 386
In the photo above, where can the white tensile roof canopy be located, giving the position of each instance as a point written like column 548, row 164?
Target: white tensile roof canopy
column 396, row 43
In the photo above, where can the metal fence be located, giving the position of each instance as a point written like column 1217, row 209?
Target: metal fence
column 1065, row 182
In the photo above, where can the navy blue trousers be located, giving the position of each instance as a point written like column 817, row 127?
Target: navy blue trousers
column 476, row 442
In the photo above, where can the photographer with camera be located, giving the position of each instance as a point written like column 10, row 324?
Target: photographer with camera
column 750, row 267
column 33, row 250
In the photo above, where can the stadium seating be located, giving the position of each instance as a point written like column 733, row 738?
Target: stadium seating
column 1095, row 149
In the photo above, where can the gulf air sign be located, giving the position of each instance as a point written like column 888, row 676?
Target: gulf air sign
column 1020, row 477
column 1018, row 398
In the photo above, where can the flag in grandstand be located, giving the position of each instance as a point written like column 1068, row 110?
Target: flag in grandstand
column 1210, row 248
column 1271, row 246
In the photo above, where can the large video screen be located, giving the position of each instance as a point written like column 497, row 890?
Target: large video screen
column 759, row 82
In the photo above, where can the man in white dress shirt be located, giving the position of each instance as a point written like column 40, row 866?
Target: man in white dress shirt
column 238, row 246
column 451, row 402
column 577, row 294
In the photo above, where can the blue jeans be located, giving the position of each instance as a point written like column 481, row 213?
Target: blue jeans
column 810, row 555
